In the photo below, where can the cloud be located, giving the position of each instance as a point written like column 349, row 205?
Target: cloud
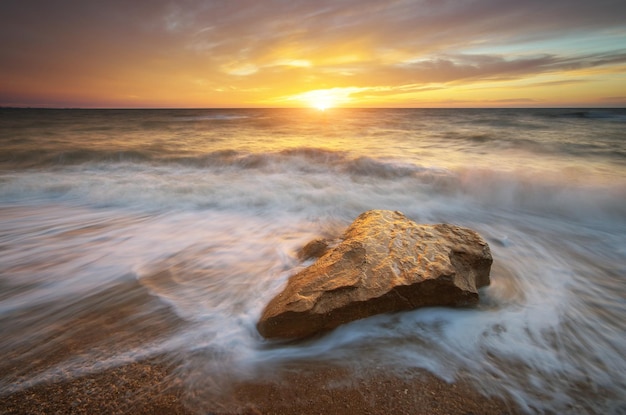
column 159, row 47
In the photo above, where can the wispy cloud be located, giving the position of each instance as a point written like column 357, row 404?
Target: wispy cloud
column 245, row 52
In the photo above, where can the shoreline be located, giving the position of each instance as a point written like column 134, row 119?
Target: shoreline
column 151, row 387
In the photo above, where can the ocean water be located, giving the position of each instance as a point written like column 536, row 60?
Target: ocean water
column 128, row 234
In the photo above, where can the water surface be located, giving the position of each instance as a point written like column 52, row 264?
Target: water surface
column 126, row 234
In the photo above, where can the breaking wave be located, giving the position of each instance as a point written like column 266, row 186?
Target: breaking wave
column 309, row 178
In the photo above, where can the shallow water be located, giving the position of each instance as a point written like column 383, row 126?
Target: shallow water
column 129, row 234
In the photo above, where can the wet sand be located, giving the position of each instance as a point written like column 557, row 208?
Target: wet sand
column 149, row 387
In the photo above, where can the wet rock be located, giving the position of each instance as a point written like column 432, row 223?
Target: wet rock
column 314, row 249
column 384, row 263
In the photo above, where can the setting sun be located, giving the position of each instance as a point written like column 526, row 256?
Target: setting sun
column 321, row 105
column 320, row 99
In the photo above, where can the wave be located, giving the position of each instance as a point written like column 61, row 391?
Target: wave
column 119, row 315
column 311, row 179
column 38, row 158
column 212, row 117
column 611, row 114
column 606, row 147
column 41, row 158
column 215, row 159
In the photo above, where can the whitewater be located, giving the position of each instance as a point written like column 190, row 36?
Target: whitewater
column 128, row 234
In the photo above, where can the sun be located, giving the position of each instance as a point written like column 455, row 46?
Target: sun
column 321, row 106
column 320, row 99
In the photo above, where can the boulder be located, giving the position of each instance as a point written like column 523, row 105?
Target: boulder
column 383, row 263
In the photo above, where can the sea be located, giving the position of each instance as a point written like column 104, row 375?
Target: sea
column 127, row 235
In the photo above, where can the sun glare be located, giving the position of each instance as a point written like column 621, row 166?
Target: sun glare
column 321, row 106
column 320, row 99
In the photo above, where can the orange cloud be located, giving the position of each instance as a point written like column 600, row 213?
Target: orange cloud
column 245, row 53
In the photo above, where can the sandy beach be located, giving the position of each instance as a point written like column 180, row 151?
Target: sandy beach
column 150, row 388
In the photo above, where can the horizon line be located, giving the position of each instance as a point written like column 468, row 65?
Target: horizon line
column 294, row 108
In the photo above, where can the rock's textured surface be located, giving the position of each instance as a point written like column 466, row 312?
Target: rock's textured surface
column 314, row 249
column 384, row 263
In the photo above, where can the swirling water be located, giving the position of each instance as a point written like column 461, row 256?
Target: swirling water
column 126, row 234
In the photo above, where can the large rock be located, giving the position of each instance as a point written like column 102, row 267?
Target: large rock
column 384, row 263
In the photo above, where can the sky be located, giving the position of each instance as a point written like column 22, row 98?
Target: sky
column 312, row 53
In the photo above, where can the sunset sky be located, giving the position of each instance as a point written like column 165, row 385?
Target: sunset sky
column 294, row 53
